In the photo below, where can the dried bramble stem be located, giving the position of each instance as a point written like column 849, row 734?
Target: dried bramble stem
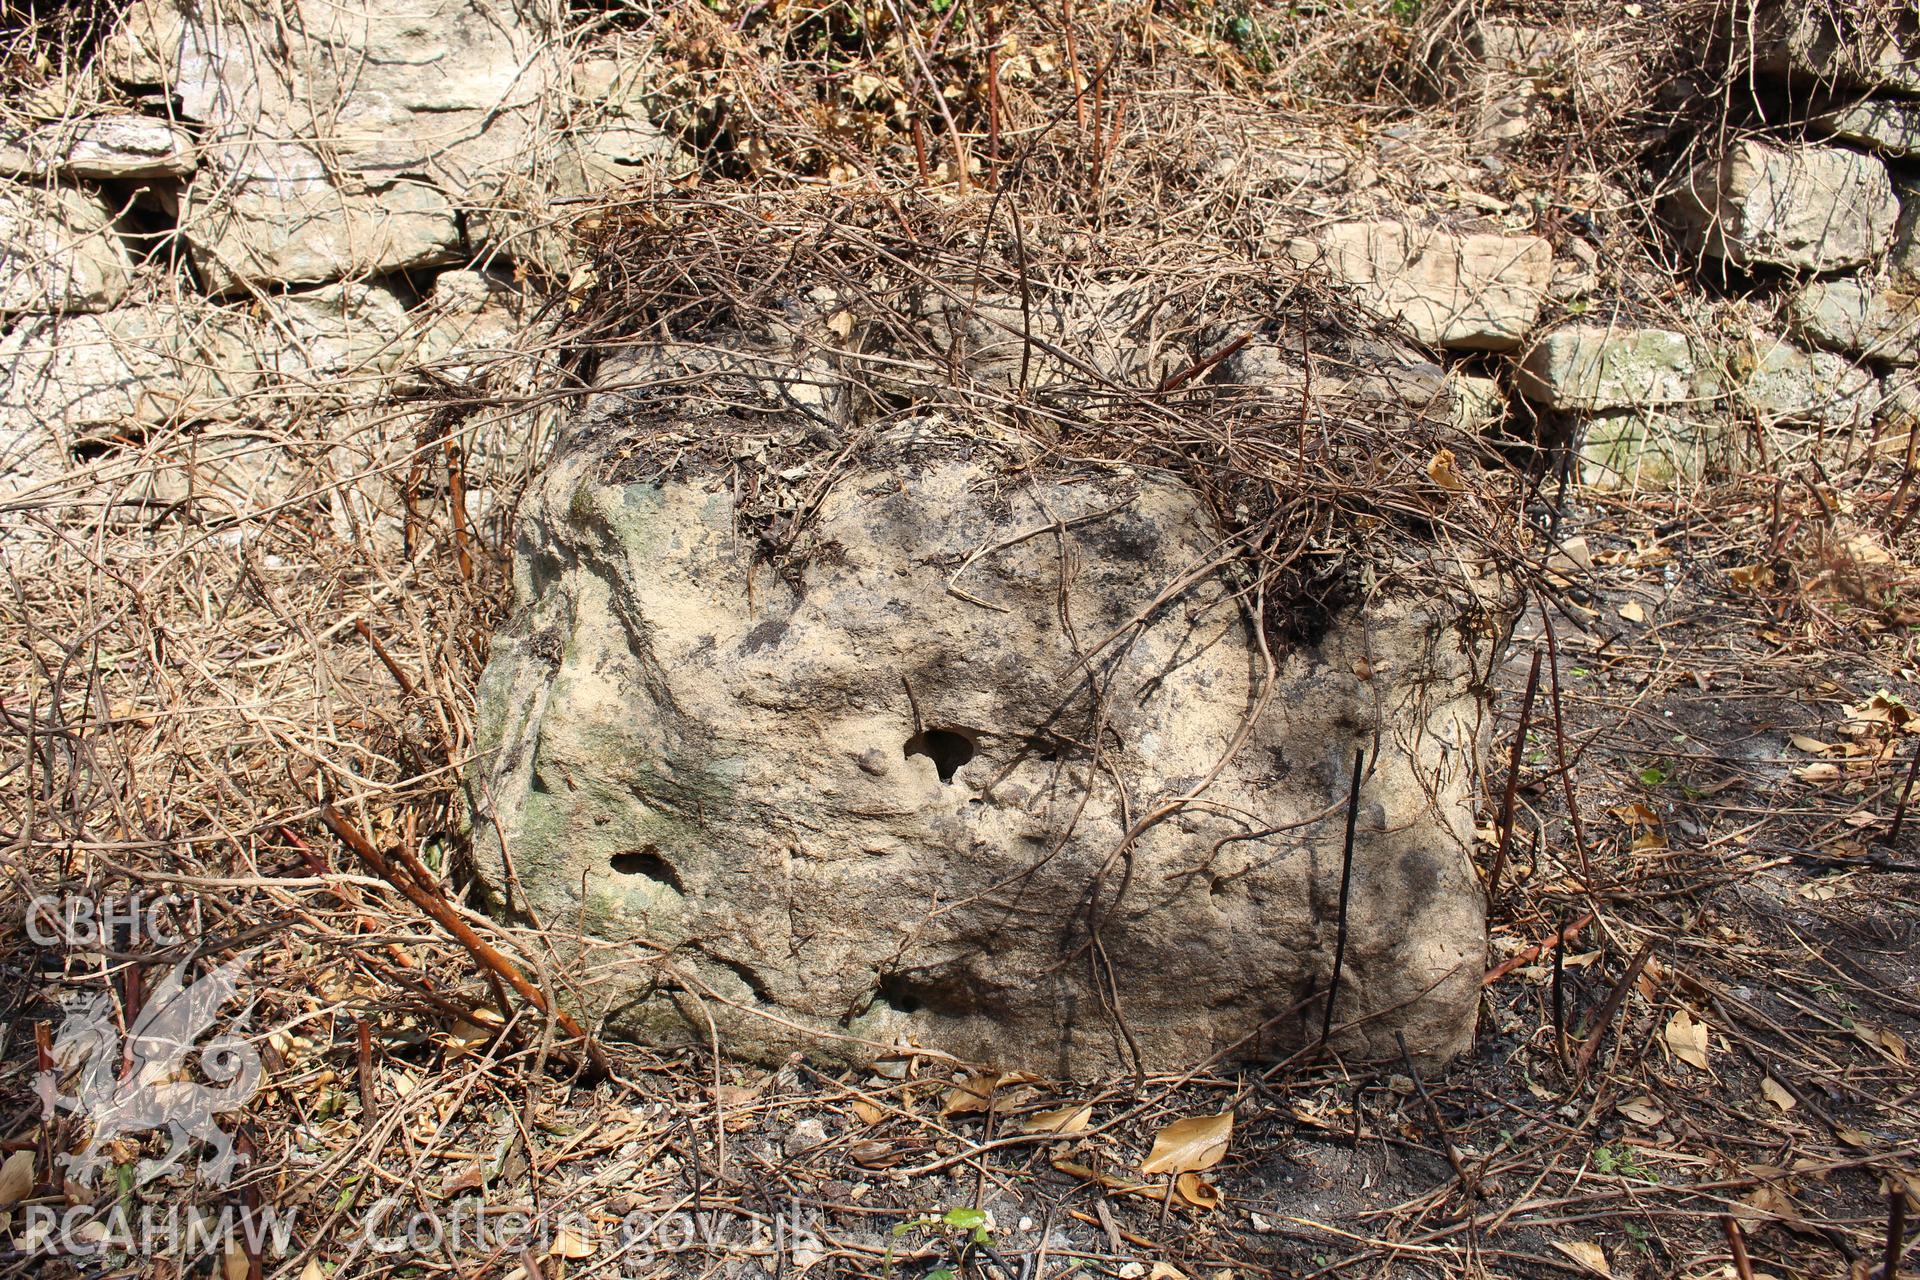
column 430, row 902
column 1346, row 887
column 1513, row 783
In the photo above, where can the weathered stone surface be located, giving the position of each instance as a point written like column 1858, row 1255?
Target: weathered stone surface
column 1800, row 42
column 612, row 137
column 307, row 230
column 1470, row 292
column 448, row 90
column 1904, row 261
column 1637, row 450
column 720, row 775
column 58, row 251
column 144, row 46
column 100, row 147
column 1477, row 404
column 1380, row 373
column 984, row 336
column 1780, row 383
column 1588, row 368
column 127, row 369
column 1861, row 315
column 1809, row 208
column 1506, row 71
column 339, row 340
column 1887, row 125
column 473, row 316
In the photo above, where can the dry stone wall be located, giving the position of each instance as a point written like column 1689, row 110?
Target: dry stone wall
column 246, row 210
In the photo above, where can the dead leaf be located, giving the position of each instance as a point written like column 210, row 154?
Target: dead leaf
column 1197, row 1191
column 16, row 1178
column 874, row 1155
column 1873, row 1036
column 313, row 1270
column 867, row 1113
column 235, row 1265
column 1818, row 773
column 1632, row 611
column 1166, row 1271
column 1823, row 890
column 1641, row 1110
column 1777, row 1093
column 1199, row 1142
column 981, row 1091
column 1813, row 746
column 471, row 1178
column 1636, row 814
column 1687, row 1039
column 1752, row 577
column 567, row 1243
column 1587, row 1255
column 1064, row 1121
column 1443, row 470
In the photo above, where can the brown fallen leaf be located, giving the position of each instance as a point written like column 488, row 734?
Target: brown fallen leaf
column 1812, row 746
column 1185, row 1146
column 874, row 1155
column 1443, row 470
column 1196, row 1191
column 16, row 1178
column 1876, row 1037
column 1687, row 1039
column 1777, row 1093
column 1634, row 611
column 568, row 1243
column 1587, row 1255
column 1064, row 1121
column 867, row 1113
column 1641, row 1110
column 982, row 1091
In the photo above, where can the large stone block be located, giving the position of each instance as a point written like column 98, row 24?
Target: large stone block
column 1861, row 315
column 1589, row 367
column 445, row 90
column 1021, row 799
column 1642, row 450
column 1468, row 291
column 1890, row 126
column 114, row 147
column 1802, row 43
column 126, row 370
column 1808, row 208
column 1780, row 383
column 59, row 251
column 303, row 229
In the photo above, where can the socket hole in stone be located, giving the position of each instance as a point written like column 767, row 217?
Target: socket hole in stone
column 897, row 991
column 947, row 748
column 647, row 862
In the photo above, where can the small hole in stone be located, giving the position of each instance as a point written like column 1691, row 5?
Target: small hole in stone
column 646, row 862
column 947, row 748
column 895, row 990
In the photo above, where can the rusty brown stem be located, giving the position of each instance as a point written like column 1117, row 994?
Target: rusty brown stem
column 427, row 899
